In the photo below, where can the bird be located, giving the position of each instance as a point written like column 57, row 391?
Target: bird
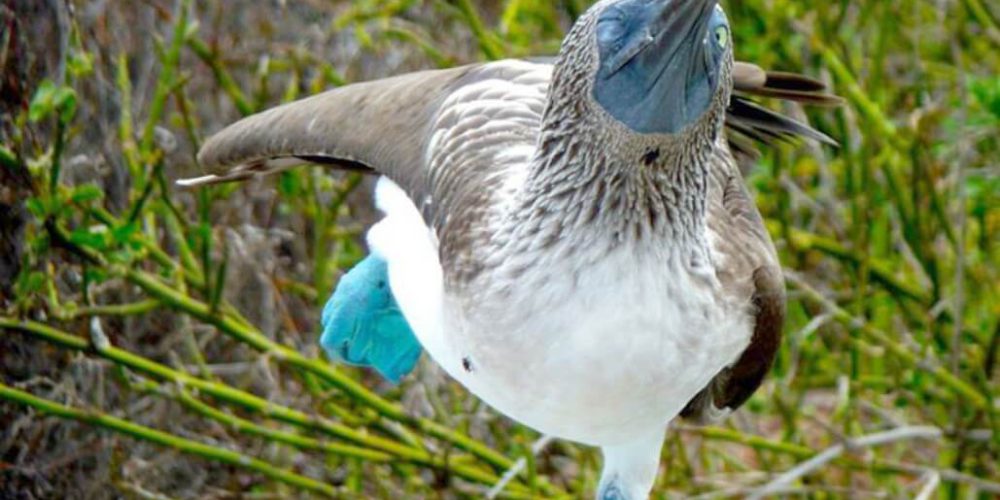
column 569, row 238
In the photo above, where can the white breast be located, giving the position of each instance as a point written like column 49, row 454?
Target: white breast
column 599, row 356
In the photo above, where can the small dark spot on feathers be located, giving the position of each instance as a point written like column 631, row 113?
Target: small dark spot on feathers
column 651, row 156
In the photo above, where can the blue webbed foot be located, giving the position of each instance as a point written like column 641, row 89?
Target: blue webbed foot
column 362, row 324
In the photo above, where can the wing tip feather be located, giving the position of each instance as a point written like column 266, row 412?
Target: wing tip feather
column 193, row 182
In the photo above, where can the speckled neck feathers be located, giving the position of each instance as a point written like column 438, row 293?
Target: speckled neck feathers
column 593, row 175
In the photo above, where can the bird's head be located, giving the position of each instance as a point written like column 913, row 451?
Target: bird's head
column 655, row 66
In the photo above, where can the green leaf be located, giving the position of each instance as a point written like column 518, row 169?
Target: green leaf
column 80, row 64
column 50, row 98
column 95, row 237
column 122, row 233
column 65, row 101
column 85, row 193
column 30, row 282
column 37, row 207
column 42, row 102
column 288, row 184
column 987, row 92
column 95, row 274
column 39, row 244
column 363, row 37
column 982, row 193
column 7, row 157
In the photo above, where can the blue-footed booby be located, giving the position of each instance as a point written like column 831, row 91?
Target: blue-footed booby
column 571, row 240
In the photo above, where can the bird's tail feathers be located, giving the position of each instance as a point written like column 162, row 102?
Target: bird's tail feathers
column 749, row 123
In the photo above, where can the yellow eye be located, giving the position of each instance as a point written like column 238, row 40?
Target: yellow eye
column 722, row 36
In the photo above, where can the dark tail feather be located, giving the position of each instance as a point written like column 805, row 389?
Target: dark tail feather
column 748, row 122
column 768, row 126
column 803, row 96
column 789, row 86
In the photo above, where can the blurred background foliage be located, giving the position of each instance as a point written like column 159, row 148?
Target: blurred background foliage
column 162, row 343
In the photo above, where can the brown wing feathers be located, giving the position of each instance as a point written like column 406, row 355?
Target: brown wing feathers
column 737, row 382
column 340, row 127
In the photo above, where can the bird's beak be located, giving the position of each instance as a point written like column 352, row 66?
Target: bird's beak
column 683, row 21
column 675, row 29
column 661, row 80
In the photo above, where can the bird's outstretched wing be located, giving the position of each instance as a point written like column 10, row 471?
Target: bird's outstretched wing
column 380, row 124
column 447, row 140
column 417, row 128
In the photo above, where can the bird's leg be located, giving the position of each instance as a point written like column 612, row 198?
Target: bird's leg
column 630, row 468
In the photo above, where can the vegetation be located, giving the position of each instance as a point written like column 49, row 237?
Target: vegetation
column 157, row 343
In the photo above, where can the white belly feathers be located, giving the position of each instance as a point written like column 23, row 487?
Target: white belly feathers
column 575, row 355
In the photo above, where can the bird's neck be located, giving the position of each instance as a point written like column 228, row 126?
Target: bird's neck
column 598, row 180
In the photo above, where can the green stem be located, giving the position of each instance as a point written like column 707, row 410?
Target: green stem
column 486, row 42
column 249, row 401
column 103, row 420
column 289, row 438
column 897, row 349
column 57, row 152
column 878, row 271
column 222, row 77
column 983, row 17
column 858, row 97
column 126, row 127
column 165, row 82
column 133, row 309
column 7, row 158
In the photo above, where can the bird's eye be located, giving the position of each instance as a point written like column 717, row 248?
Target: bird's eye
column 722, row 36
